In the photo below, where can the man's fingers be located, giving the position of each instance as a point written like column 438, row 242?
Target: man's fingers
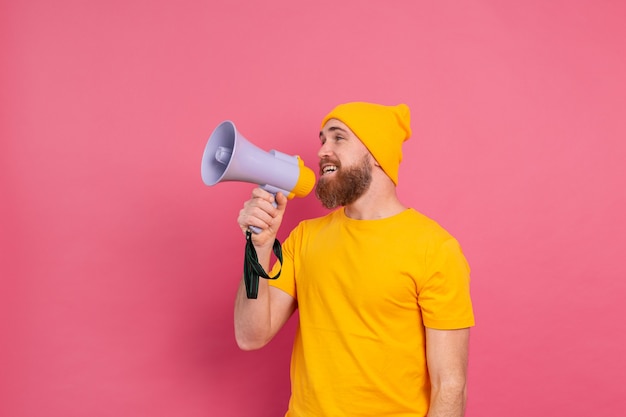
column 259, row 192
column 261, row 213
column 281, row 201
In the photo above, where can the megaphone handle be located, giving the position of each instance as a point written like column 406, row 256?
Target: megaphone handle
column 273, row 191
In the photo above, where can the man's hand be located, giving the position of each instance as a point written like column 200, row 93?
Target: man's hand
column 260, row 212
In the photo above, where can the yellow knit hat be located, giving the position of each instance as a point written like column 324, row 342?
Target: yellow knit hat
column 382, row 129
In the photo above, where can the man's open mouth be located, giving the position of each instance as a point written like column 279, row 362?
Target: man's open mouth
column 327, row 169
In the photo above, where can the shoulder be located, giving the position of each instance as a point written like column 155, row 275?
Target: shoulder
column 312, row 226
column 423, row 225
column 318, row 222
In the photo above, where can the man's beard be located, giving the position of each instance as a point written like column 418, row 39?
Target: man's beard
column 347, row 186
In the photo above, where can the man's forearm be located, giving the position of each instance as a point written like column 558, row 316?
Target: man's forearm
column 448, row 402
column 253, row 316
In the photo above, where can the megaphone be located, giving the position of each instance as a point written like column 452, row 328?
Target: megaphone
column 228, row 156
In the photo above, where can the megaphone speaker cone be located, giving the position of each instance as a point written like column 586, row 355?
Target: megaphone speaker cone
column 228, row 156
column 218, row 153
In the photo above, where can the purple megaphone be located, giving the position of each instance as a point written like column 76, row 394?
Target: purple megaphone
column 228, row 156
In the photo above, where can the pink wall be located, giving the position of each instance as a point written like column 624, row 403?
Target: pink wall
column 119, row 267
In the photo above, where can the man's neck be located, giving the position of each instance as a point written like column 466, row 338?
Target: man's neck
column 379, row 202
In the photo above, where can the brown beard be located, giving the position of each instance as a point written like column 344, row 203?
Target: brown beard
column 347, row 186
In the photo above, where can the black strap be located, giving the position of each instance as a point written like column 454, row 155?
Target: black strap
column 252, row 270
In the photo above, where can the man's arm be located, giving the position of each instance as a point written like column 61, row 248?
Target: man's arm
column 258, row 320
column 446, row 355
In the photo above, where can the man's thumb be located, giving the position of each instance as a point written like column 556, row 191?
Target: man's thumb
column 281, row 201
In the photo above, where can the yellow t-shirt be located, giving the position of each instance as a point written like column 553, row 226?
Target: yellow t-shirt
column 365, row 290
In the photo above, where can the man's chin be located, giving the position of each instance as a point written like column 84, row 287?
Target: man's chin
column 329, row 204
column 327, row 178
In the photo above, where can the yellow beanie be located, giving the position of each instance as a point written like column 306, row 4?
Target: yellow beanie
column 382, row 129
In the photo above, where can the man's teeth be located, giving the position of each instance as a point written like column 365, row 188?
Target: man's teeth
column 329, row 168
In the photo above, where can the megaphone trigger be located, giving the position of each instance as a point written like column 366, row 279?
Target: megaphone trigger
column 255, row 229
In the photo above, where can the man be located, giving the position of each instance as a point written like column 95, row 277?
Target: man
column 382, row 291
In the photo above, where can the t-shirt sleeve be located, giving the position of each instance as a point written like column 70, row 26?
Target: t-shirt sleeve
column 444, row 296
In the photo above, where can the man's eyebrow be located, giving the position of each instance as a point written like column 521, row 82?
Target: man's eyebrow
column 332, row 129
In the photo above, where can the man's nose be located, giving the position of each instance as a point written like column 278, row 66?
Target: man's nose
column 324, row 150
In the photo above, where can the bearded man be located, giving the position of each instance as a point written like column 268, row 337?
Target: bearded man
column 382, row 291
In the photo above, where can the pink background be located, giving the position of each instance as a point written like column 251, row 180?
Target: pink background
column 119, row 267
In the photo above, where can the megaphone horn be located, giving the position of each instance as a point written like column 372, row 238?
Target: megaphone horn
column 228, row 156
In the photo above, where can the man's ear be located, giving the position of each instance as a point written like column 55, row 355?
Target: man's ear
column 376, row 164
